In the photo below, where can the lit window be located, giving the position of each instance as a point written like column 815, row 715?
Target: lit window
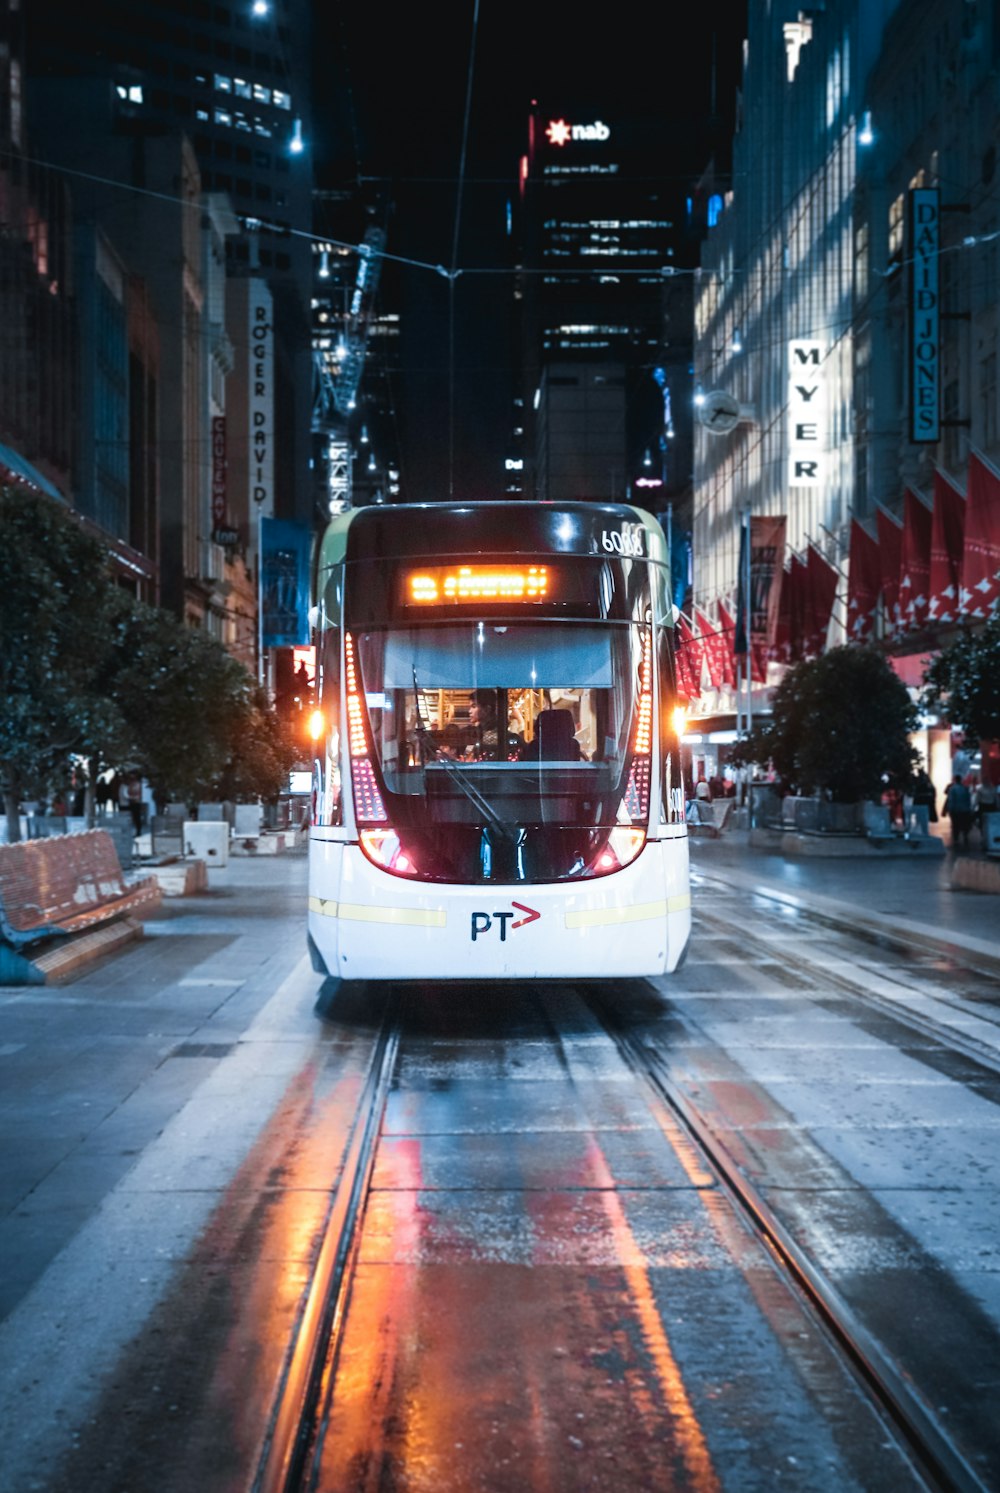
column 261, row 94
column 223, row 116
column 260, row 128
column 242, row 88
column 281, row 100
column 201, row 114
column 223, row 84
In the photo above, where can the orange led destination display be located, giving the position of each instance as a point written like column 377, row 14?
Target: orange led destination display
column 439, row 585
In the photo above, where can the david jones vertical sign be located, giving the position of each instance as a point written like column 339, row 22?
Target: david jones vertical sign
column 261, row 397
column 925, row 315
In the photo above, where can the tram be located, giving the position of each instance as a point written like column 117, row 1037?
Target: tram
column 497, row 787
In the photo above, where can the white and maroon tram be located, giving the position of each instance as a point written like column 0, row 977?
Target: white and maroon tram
column 496, row 784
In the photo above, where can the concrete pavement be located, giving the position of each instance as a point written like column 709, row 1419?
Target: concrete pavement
column 907, row 898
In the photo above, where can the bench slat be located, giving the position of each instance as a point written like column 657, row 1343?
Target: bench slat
column 64, row 883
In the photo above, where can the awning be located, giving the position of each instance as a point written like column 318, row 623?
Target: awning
column 13, row 466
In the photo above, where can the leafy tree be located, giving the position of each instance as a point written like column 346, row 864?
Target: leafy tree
column 963, row 682
column 263, row 749
column 181, row 697
column 839, row 723
column 56, row 625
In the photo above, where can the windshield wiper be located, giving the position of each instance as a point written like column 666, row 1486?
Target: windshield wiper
column 454, row 769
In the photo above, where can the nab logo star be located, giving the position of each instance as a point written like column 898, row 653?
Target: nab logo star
column 482, row 922
column 559, row 133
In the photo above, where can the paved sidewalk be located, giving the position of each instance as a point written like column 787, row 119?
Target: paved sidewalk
column 93, row 1069
column 909, row 898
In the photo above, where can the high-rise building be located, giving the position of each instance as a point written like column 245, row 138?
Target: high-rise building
column 605, row 352
column 234, row 79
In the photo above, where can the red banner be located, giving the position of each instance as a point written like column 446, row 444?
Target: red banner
column 947, row 539
column 915, row 561
column 821, row 588
column 981, row 552
column 890, row 549
column 863, row 584
column 709, row 639
column 727, row 632
column 689, row 654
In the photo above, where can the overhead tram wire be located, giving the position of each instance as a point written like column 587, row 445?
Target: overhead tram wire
column 454, row 271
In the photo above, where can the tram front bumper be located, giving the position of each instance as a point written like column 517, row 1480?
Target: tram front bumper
column 369, row 925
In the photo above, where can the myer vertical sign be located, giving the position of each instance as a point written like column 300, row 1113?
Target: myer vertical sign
column 925, row 315
column 806, row 413
column 261, row 379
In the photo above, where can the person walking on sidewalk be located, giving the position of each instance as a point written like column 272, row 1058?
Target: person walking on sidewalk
column 958, row 807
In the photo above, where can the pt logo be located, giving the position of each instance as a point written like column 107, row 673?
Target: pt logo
column 482, row 922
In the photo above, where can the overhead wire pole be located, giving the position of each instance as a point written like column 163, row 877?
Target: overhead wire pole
column 453, row 271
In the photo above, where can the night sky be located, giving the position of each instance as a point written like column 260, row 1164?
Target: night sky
column 389, row 101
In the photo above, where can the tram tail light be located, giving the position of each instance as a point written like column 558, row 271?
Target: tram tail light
column 622, row 847
column 383, row 848
column 368, row 804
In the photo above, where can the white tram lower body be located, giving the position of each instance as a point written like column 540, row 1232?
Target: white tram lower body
column 369, row 925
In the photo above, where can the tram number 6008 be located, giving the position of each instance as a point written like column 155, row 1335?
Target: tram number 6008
column 628, row 540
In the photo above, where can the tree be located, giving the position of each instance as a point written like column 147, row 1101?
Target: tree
column 840, row 723
column 263, row 749
column 181, row 696
column 55, row 621
column 963, row 682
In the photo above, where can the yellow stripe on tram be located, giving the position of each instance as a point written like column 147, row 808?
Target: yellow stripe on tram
column 323, row 905
column 599, row 917
column 412, row 917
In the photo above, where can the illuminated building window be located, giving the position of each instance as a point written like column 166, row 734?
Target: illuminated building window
column 896, row 220
column 223, row 84
column 242, row 88
column 261, row 94
column 281, row 100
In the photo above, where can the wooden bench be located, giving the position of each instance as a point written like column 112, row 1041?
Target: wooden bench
column 63, row 885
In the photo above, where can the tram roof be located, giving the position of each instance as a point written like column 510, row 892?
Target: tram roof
column 400, row 530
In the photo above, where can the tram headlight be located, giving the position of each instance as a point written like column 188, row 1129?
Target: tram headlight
column 316, row 725
column 679, row 721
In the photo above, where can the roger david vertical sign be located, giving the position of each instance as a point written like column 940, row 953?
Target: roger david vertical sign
column 261, row 370
column 806, row 413
column 925, row 315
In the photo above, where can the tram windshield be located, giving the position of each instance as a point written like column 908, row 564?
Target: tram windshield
column 504, row 748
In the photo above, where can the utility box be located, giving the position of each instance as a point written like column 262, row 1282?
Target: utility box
column 208, row 840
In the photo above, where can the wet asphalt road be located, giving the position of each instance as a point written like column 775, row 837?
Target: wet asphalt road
column 552, row 1291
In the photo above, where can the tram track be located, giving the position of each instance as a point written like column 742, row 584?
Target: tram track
column 934, row 1453
column 972, row 1048
column 310, row 1363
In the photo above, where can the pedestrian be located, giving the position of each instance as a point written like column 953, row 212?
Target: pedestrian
column 958, row 807
column 986, row 804
column 923, row 792
column 133, row 801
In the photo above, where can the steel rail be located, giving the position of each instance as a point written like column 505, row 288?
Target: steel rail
column 976, row 1050
column 858, row 923
column 291, row 1424
column 930, row 1446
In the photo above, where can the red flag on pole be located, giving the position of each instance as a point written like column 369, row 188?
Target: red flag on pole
column 915, row 561
column 798, row 597
column 863, row 584
column 781, row 647
column 821, row 584
column 890, row 549
column 727, row 634
column 981, row 552
column 712, row 645
column 947, row 539
column 689, row 654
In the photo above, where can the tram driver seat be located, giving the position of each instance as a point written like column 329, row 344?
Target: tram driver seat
column 555, row 739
